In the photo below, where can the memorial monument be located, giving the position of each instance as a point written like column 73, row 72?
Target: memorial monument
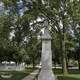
column 46, row 56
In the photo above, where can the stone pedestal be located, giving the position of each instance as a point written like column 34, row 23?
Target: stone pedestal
column 46, row 58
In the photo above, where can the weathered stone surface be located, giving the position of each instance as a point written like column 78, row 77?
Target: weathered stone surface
column 46, row 35
column 46, row 75
column 46, row 58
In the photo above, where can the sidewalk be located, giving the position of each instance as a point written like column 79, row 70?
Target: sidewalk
column 31, row 76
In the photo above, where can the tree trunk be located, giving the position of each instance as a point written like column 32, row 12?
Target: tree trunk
column 79, row 63
column 33, row 63
column 64, row 65
column 61, row 51
column 64, row 52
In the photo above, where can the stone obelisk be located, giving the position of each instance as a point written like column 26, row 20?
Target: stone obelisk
column 46, row 57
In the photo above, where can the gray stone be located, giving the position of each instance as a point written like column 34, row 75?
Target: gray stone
column 46, row 58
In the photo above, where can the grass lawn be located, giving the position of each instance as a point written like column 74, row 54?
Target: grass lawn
column 69, row 77
column 16, row 75
column 19, row 75
column 72, row 75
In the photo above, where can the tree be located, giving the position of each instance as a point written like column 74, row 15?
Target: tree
column 61, row 14
column 5, row 26
column 75, row 15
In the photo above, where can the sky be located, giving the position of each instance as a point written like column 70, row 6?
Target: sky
column 20, row 12
column 20, row 8
column 1, row 7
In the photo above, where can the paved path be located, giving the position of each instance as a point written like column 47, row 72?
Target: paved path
column 31, row 76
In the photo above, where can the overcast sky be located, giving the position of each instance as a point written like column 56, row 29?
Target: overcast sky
column 20, row 7
column 1, row 7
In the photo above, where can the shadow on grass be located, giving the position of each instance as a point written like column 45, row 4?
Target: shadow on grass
column 73, row 71
column 16, row 75
column 66, row 78
column 57, row 71
column 70, row 71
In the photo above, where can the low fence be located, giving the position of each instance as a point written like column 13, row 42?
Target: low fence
column 11, row 67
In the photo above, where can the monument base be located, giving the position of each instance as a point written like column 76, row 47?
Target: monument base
column 46, row 75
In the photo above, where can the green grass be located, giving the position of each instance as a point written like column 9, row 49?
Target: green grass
column 72, row 74
column 69, row 77
column 17, row 75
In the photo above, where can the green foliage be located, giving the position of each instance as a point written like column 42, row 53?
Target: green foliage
column 10, row 2
column 33, row 51
column 61, row 15
column 75, row 10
